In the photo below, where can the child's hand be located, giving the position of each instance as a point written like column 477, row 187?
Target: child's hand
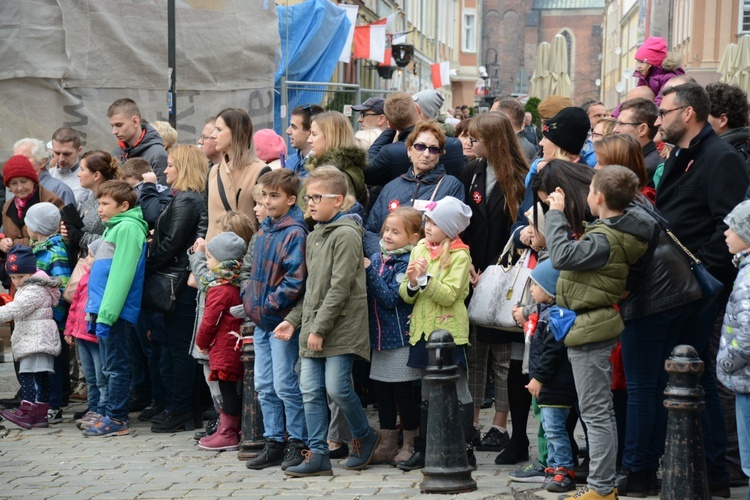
column 199, row 245
column 367, row 262
column 416, row 269
column 284, row 331
column 149, row 178
column 534, row 387
column 69, row 340
column 191, row 281
column 518, row 315
column 63, row 231
column 526, row 234
column 6, row 244
column 203, row 351
column 315, row 342
column 556, row 200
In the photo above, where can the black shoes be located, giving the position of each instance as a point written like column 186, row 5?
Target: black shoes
column 150, row 411
column 293, row 453
column 174, row 422
column 271, row 455
column 211, row 428
column 494, row 440
column 340, row 452
column 513, row 453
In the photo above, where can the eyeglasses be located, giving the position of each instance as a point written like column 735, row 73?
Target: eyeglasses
column 317, row 198
column 434, row 150
column 665, row 112
column 632, row 124
column 472, row 141
column 364, row 113
column 204, row 138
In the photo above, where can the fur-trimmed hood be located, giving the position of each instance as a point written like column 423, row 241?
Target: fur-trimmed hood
column 350, row 160
column 672, row 62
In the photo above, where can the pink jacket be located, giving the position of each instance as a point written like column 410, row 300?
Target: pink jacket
column 77, row 326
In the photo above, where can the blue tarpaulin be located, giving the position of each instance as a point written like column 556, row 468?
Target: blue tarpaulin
column 313, row 34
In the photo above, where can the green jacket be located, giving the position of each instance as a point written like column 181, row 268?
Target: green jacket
column 335, row 302
column 440, row 304
column 592, row 293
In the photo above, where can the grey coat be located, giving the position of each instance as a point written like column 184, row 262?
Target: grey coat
column 733, row 359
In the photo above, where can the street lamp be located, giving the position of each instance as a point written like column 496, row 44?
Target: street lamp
column 491, row 65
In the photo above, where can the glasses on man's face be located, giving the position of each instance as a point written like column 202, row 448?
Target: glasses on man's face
column 434, row 150
column 317, row 198
column 204, row 138
column 665, row 112
column 365, row 113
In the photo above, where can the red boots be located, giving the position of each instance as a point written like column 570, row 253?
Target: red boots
column 226, row 437
column 28, row 415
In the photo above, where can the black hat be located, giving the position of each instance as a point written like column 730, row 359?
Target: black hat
column 372, row 104
column 20, row 260
column 568, row 129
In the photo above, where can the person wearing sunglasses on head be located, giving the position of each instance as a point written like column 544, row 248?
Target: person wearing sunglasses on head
column 425, row 181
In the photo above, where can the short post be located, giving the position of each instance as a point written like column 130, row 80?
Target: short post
column 446, row 467
column 684, row 459
column 252, row 418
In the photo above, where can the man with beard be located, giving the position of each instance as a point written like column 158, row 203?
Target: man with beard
column 703, row 180
column 66, row 150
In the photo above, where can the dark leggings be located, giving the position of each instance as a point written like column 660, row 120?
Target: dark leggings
column 35, row 387
column 232, row 403
column 519, row 401
column 393, row 396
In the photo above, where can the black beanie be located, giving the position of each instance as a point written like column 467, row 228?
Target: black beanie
column 568, row 129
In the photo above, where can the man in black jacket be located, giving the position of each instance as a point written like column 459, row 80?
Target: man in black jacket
column 703, row 180
column 728, row 117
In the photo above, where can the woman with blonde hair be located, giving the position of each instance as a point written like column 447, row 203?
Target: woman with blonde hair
column 167, row 132
column 174, row 233
column 605, row 128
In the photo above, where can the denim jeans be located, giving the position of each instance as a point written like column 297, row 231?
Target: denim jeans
column 96, row 382
column 646, row 343
column 277, row 384
column 742, row 409
column 592, row 372
column 333, row 376
column 559, row 450
column 116, row 367
column 541, row 439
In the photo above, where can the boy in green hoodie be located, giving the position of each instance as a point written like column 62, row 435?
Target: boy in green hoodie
column 114, row 302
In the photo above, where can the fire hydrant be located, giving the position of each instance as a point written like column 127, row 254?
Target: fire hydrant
column 685, row 473
column 446, row 467
column 252, row 419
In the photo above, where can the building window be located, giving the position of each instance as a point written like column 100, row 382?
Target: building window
column 745, row 16
column 469, row 31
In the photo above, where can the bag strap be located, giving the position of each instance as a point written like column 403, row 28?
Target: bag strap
column 695, row 259
column 665, row 226
column 222, row 193
column 437, row 187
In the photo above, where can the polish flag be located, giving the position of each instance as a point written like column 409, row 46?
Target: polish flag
column 387, row 20
column 351, row 15
column 441, row 74
column 369, row 42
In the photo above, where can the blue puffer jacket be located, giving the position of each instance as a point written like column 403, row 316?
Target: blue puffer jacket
column 389, row 314
column 402, row 191
column 733, row 360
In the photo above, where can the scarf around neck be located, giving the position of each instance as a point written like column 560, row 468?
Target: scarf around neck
column 22, row 203
column 434, row 248
column 387, row 254
column 226, row 273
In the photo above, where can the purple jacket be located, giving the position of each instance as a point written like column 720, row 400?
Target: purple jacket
column 657, row 78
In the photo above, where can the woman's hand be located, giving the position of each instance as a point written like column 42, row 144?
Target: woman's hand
column 191, row 281
column 525, row 235
column 556, row 200
column 474, row 276
column 6, row 244
column 64, row 231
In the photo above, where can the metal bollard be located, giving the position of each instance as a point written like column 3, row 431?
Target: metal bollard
column 252, row 419
column 446, row 468
column 685, row 473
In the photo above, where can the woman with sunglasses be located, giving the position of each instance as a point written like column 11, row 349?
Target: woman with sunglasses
column 425, row 181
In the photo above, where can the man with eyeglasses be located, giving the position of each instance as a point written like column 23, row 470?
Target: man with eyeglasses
column 371, row 114
column 207, row 144
column 637, row 118
column 703, row 180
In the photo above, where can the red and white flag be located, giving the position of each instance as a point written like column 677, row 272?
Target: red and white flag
column 369, row 42
column 387, row 60
column 387, row 20
column 441, row 74
column 351, row 14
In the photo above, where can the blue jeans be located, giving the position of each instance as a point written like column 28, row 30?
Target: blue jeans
column 116, row 367
column 742, row 410
column 332, row 376
column 96, row 382
column 559, row 451
column 646, row 343
column 277, row 385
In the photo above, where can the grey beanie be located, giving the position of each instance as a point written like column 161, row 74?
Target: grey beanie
column 450, row 214
column 430, row 102
column 738, row 220
column 43, row 218
column 227, row 246
column 94, row 246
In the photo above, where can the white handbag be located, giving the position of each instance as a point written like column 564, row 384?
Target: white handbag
column 501, row 287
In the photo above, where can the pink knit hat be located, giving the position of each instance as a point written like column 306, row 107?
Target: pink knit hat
column 653, row 51
column 268, row 145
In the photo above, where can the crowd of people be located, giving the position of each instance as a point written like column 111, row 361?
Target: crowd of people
column 142, row 265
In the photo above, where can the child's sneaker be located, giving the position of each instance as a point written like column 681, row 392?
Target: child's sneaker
column 107, row 427
column 363, row 450
column 54, row 415
column 87, row 420
column 586, row 494
column 560, row 480
column 293, row 453
column 314, row 464
column 532, row 473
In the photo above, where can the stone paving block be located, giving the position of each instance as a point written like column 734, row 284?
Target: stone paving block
column 260, row 493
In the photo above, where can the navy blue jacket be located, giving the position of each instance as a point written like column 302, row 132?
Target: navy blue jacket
column 548, row 363
column 389, row 314
column 402, row 191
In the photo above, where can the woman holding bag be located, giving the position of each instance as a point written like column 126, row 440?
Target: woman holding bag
column 167, row 266
column 494, row 189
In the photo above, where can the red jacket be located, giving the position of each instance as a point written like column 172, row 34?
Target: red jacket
column 77, row 326
column 214, row 333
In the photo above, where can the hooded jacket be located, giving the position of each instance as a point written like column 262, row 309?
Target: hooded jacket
column 658, row 76
column 350, row 160
column 15, row 227
column 733, row 359
column 116, row 281
column 52, row 258
column 278, row 272
column 214, row 333
column 402, row 191
column 77, row 325
column 594, row 270
column 548, row 363
column 35, row 331
column 389, row 314
column 739, row 139
column 701, row 184
column 335, row 301
column 150, row 147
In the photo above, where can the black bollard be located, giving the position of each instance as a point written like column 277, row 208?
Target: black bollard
column 684, row 459
column 252, row 419
column 446, row 467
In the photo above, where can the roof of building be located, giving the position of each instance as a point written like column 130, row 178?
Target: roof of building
column 568, row 4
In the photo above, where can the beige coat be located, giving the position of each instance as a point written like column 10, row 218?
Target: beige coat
column 240, row 197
